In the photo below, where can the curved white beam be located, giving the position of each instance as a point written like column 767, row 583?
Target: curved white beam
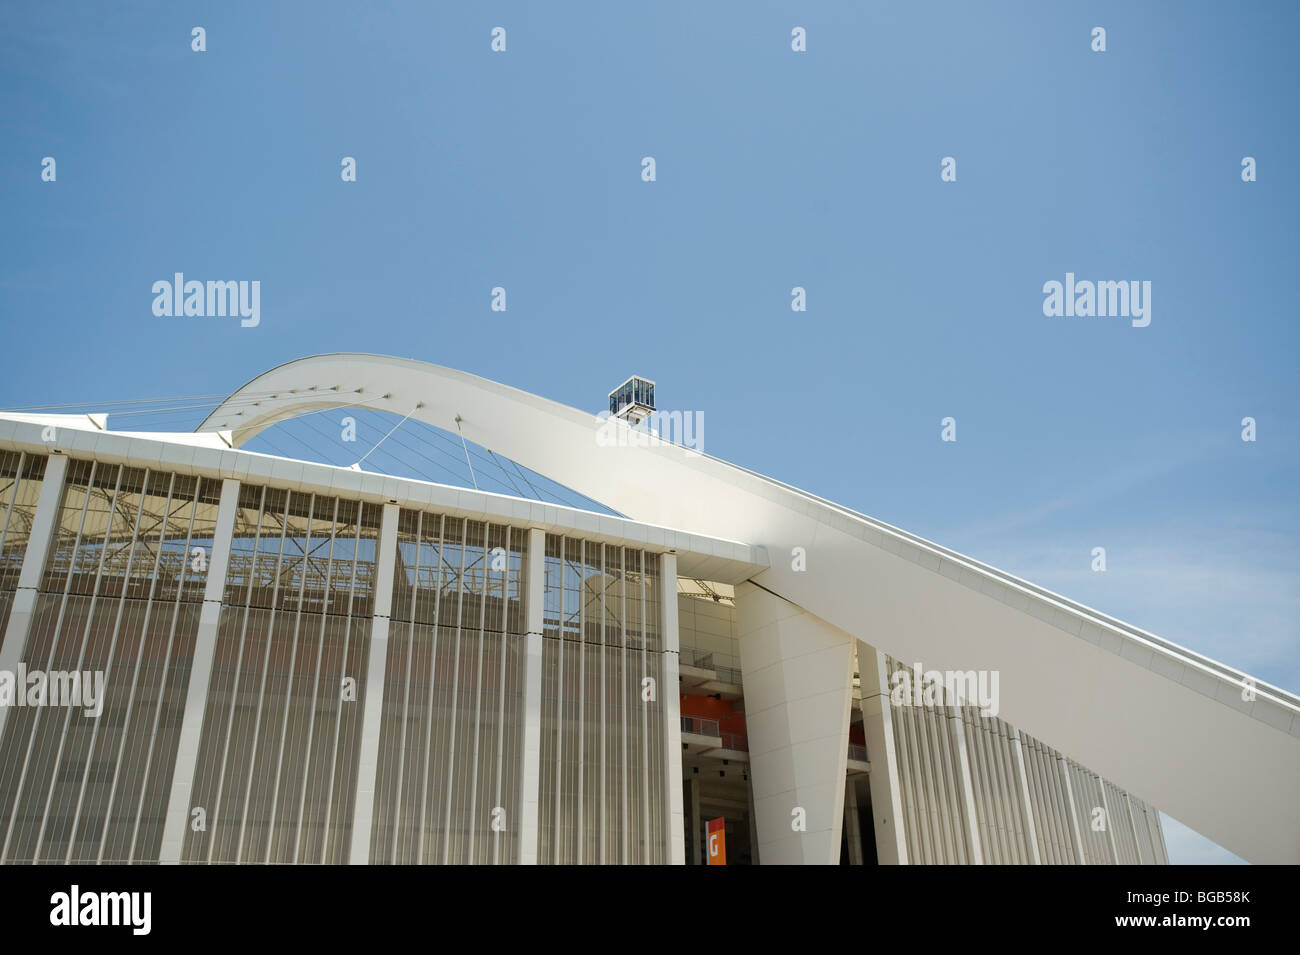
column 1167, row 724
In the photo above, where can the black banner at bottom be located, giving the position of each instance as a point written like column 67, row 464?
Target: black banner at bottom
column 333, row 905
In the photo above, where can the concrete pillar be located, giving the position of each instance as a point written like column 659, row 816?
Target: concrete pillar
column 196, row 697
column 376, row 668
column 798, row 691
column 753, row 820
column 852, row 829
column 1026, row 806
column 44, row 523
column 886, row 792
column 1110, row 823
column 697, row 826
column 671, row 695
column 1074, row 813
column 530, row 784
column 1132, row 821
column 1162, row 851
column 974, row 851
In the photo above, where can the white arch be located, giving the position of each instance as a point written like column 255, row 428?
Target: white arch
column 1167, row 724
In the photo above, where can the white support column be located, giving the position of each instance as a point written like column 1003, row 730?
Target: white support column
column 44, row 523
column 852, row 828
column 1027, row 808
column 196, row 697
column 798, row 676
column 886, row 792
column 974, row 852
column 376, row 670
column 530, row 784
column 753, row 821
column 671, row 695
column 1110, row 831
column 1074, row 814
column 1162, row 850
column 1132, row 821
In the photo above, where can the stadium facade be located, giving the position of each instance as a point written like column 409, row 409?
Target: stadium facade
column 304, row 663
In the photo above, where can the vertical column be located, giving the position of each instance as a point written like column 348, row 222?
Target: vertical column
column 1132, row 821
column 376, row 667
column 1162, row 851
column 196, row 697
column 670, row 693
column 753, row 821
column 605, row 771
column 886, row 791
column 852, row 828
column 1026, row 807
column 697, row 827
column 581, row 748
column 1074, row 814
column 973, row 849
column 798, row 676
column 1110, row 831
column 44, row 523
column 535, row 605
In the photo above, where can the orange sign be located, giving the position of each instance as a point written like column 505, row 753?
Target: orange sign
column 717, row 841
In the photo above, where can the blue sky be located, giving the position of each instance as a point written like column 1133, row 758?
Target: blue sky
column 775, row 169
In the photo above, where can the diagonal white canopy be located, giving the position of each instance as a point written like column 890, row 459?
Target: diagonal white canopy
column 1199, row 740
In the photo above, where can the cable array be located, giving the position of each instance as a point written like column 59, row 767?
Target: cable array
column 401, row 448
